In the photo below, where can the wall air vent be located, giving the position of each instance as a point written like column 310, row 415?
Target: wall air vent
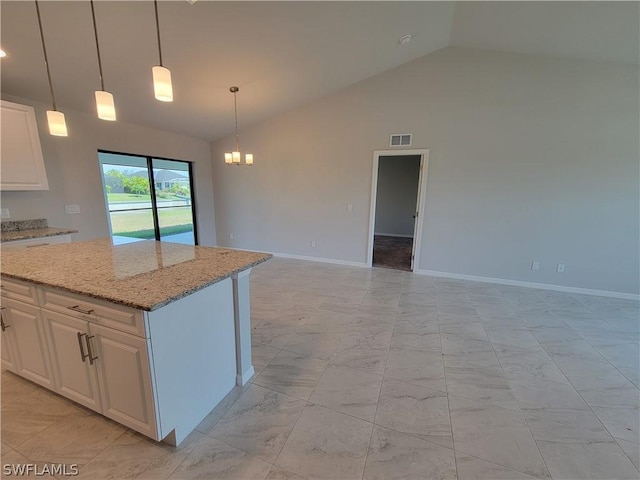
column 400, row 140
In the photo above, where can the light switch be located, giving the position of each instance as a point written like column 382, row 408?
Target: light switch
column 5, row 213
column 72, row 209
column 349, row 207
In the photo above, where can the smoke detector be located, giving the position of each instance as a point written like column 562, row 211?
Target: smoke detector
column 404, row 39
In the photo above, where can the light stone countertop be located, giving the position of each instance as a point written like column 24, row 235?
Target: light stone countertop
column 34, row 233
column 145, row 275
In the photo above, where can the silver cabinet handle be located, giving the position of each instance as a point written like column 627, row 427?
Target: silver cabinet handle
column 76, row 308
column 83, row 355
column 91, row 357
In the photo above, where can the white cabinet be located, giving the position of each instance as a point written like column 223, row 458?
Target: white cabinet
column 158, row 372
column 24, row 330
column 122, row 361
column 34, row 242
column 103, row 369
column 74, row 376
column 6, row 349
column 22, row 166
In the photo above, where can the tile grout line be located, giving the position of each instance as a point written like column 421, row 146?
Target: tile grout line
column 446, row 387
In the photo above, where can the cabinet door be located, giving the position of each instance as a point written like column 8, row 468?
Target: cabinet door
column 73, row 375
column 31, row 355
column 122, row 362
column 5, row 348
column 22, row 160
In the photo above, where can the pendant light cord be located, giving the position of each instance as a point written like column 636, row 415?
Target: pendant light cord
column 95, row 32
column 46, row 59
column 155, row 4
column 235, row 108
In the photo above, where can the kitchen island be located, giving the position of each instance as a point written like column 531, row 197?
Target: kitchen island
column 150, row 334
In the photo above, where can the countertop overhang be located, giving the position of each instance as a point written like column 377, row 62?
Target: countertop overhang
column 145, row 275
column 34, row 233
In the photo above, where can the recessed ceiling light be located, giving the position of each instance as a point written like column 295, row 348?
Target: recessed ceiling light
column 191, row 2
column 2, row 53
column 404, row 39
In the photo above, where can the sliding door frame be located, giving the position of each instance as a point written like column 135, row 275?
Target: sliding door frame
column 152, row 191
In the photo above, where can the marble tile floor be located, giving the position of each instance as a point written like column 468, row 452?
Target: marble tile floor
column 382, row 374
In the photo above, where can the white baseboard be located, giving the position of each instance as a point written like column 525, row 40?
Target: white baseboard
column 542, row 286
column 243, row 378
column 319, row 259
column 393, row 235
column 472, row 278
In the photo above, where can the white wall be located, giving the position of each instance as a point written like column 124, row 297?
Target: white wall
column 74, row 174
column 531, row 158
column 397, row 195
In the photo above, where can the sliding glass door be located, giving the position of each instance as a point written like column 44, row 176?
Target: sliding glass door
column 148, row 198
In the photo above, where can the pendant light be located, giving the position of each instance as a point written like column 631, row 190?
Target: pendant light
column 104, row 100
column 161, row 75
column 234, row 158
column 55, row 119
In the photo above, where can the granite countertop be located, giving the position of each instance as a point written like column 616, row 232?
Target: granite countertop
column 26, row 229
column 34, row 233
column 145, row 275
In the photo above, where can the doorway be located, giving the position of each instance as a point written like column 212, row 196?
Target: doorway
column 397, row 200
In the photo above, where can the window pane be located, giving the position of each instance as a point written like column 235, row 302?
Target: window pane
column 176, row 225
column 131, row 205
column 132, row 225
column 172, row 184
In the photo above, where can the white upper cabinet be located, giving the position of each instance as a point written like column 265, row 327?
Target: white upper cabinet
column 21, row 161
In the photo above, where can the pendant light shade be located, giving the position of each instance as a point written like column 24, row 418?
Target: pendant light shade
column 162, row 84
column 104, row 100
column 55, row 119
column 235, row 157
column 57, row 124
column 106, row 107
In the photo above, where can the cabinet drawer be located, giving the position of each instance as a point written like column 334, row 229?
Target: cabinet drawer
column 25, row 292
column 35, row 242
column 111, row 315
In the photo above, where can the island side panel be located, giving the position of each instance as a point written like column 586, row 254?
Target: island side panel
column 242, row 307
column 194, row 357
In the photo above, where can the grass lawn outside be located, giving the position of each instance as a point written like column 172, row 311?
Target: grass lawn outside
column 139, row 223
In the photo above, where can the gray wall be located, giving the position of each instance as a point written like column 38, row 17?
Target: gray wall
column 397, row 195
column 74, row 173
column 531, row 158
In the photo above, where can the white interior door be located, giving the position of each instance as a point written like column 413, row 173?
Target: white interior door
column 417, row 218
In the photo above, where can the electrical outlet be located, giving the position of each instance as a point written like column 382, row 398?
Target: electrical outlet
column 72, row 209
column 5, row 213
column 560, row 268
column 313, row 244
column 231, row 236
column 535, row 265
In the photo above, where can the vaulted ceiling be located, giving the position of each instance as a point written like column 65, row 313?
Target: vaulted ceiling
column 280, row 54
